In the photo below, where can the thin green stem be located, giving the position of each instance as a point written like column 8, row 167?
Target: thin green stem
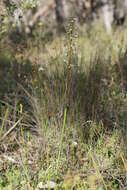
column 61, row 139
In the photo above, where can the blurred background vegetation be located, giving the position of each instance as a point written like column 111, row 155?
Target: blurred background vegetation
column 63, row 94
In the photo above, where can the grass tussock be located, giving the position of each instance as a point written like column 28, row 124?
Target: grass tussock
column 63, row 110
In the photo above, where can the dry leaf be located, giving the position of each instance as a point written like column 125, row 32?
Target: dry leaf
column 71, row 181
column 68, row 181
column 124, row 162
column 48, row 185
column 10, row 159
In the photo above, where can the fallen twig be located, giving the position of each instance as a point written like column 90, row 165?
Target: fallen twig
column 10, row 130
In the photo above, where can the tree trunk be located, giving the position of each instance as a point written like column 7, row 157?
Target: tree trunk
column 120, row 11
column 59, row 13
column 108, row 13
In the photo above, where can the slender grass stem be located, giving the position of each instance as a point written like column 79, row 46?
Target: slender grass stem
column 61, row 139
